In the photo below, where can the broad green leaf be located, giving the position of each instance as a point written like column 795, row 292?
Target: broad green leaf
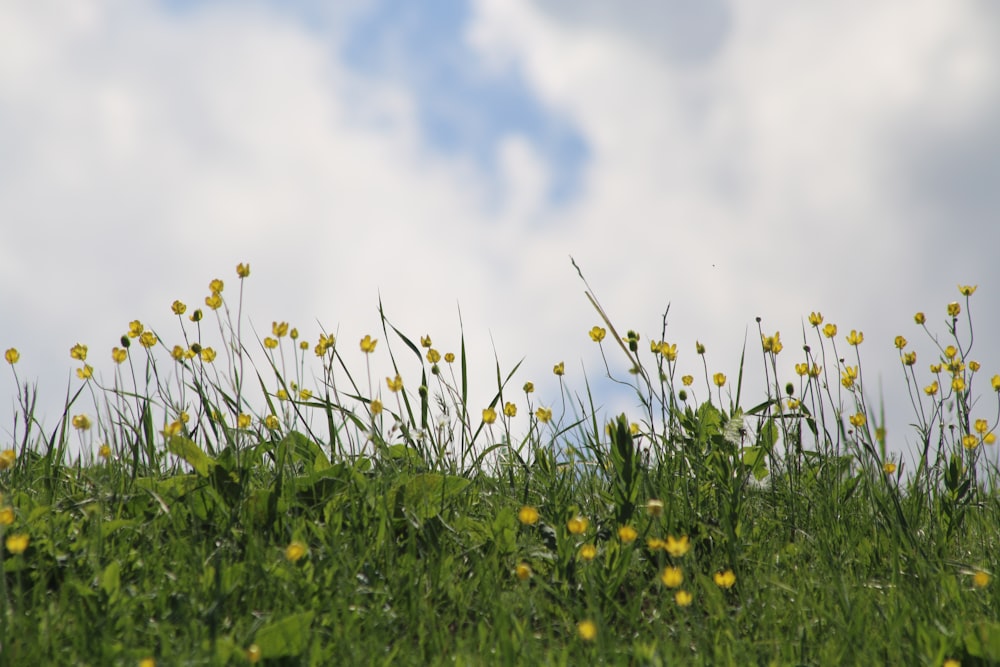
column 287, row 637
column 188, row 450
column 426, row 494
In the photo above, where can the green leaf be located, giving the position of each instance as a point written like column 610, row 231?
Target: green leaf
column 188, row 450
column 425, row 495
column 287, row 637
column 111, row 579
column 982, row 640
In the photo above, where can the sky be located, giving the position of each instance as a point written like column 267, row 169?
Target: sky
column 732, row 160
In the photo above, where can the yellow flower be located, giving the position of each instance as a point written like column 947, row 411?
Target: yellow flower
column 578, row 524
column 172, row 429
column 981, row 579
column 433, row 356
column 78, row 352
column 970, row 441
column 815, row 319
column 855, row 338
column 196, row 315
column 982, row 426
column 889, row 467
column 672, row 577
column 950, row 351
column 974, row 366
column 368, row 344
column 85, row 373
column 627, row 534
column 687, row 380
column 279, row 329
column 954, row 309
column 802, row 369
column 920, row 318
column 282, row 395
column 216, row 286
column 104, row 451
column 588, row 552
column 677, row 547
column 523, row 571
column 528, row 515
column 489, row 416
column 509, row 409
column 207, row 355
column 543, row 415
column 857, row 420
column 294, row 334
column 654, row 543
column 147, row 339
column 147, row 662
column 425, row 341
column 995, row 382
column 17, row 543
column 375, row 406
column 295, row 551
column 719, row 379
column 683, row 598
column 81, row 422
column 12, row 355
column 178, row 307
column 243, row 271
column 654, row 507
column 849, row 375
column 931, row 389
column 394, row 384
column 305, row 394
column 270, row 343
column 909, row 358
column 449, row 357
column 967, row 290
column 6, row 516
column 253, row 651
column 900, row 342
column 271, row 423
column 830, row 330
column 958, row 383
column 815, row 370
column 990, row 438
column 587, row 630
column 243, row 420
column 951, row 662
column 669, row 351
column 214, row 301
column 597, row 334
column 724, row 579
column 530, row 386
column 772, row 344
column 135, row 329
column 559, row 369
column 7, row 458
column 698, row 347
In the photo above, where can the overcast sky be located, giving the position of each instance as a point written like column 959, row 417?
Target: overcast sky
column 732, row 159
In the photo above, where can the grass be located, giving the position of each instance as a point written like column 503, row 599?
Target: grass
column 229, row 500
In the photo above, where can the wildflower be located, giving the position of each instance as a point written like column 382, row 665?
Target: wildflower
column 990, row 438
column 677, row 547
column 271, row 423
column 530, row 387
column 699, row 348
column 81, row 422
column 433, row 356
column 304, row 345
column 687, row 380
column 253, row 651
column 909, row 358
column 958, row 383
column 425, row 341
column 967, row 290
column 981, row 426
column 772, row 344
column 683, row 598
column 243, row 420
column 489, row 416
column 969, row 441
column 830, row 330
column 954, row 309
column 17, row 543
column 587, row 630
column 719, row 379
column 995, row 382
column 672, row 577
column 394, row 384
column 293, row 334
column 147, row 339
column 951, row 662
column 243, row 271
column 528, row 515
column 270, row 343
column 669, row 351
column 802, row 369
column 974, row 366
column 147, row 662
column 981, row 579
column 509, row 409
column 7, row 458
column 216, row 286
column 543, row 415
column 78, row 352
column 597, row 334
column 935, row 368
column 295, row 551
column 950, row 351
column 815, row 370
column 449, row 357
column 588, row 552
column 135, row 329
column 858, row 420
column 213, row 301
column 654, row 543
column 282, row 395
column 86, row 372
column 305, row 394
column 559, row 369
column 196, row 315
column 888, row 467
column 578, row 524
column 654, row 507
column 207, row 355
column 899, row 342
column 6, row 516
column 627, row 534
column 279, row 329
column 724, row 579
column 816, row 319
column 849, row 375
column 172, row 429
column 931, row 389
column 178, row 307
column 368, row 344
column 12, row 355
column 855, row 338
column 523, row 571
column 920, row 318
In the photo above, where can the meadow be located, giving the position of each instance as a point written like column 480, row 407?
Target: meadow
column 210, row 497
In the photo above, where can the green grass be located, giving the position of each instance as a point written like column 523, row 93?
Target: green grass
column 261, row 502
